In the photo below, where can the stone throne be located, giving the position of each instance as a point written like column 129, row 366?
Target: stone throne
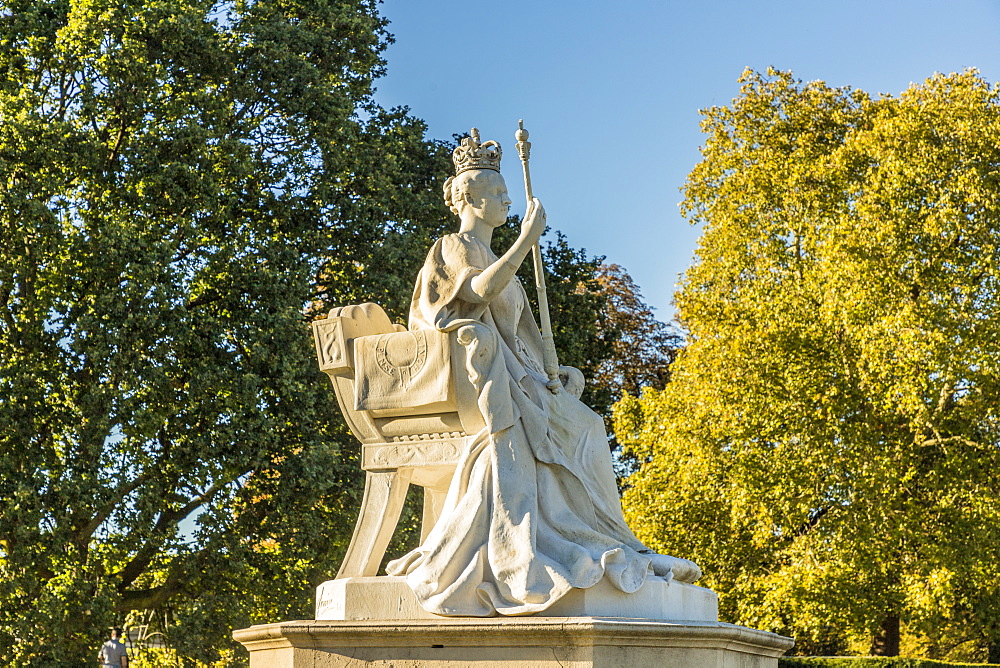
column 409, row 399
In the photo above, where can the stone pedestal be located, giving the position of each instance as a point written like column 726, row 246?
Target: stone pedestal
column 510, row 642
column 377, row 622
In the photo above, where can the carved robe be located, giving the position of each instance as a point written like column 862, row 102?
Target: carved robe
column 533, row 509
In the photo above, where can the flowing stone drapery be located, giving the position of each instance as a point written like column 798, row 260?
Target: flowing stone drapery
column 533, row 509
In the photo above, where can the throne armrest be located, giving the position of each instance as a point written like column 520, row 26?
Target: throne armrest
column 334, row 335
column 452, row 413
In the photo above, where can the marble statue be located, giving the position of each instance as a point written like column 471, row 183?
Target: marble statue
column 525, row 558
column 532, row 510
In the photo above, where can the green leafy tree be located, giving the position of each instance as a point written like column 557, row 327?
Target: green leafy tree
column 174, row 178
column 828, row 444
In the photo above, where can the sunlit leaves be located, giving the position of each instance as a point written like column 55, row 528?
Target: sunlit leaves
column 827, row 445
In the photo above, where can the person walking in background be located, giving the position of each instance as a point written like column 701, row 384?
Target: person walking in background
column 113, row 653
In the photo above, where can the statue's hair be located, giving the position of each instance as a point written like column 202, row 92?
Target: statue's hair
column 456, row 187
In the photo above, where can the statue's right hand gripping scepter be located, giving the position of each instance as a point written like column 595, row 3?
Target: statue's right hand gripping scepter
column 549, row 358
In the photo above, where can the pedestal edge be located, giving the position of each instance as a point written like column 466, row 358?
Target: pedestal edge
column 506, row 631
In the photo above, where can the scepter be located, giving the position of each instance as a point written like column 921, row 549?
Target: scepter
column 549, row 358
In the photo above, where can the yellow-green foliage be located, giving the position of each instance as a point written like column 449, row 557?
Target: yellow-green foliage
column 168, row 658
column 828, row 446
column 868, row 662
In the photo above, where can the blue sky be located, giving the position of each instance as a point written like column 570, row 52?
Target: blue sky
column 610, row 92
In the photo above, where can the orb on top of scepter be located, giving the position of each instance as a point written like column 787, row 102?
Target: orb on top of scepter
column 523, row 145
column 521, row 134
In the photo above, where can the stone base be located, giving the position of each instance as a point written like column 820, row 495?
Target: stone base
column 510, row 642
column 389, row 598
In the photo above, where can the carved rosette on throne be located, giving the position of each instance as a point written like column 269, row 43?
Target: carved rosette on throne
column 408, row 398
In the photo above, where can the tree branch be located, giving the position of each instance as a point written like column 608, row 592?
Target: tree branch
column 134, row 568
column 812, row 522
column 83, row 534
column 154, row 597
column 206, row 297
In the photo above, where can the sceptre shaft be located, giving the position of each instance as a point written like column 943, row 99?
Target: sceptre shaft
column 550, row 359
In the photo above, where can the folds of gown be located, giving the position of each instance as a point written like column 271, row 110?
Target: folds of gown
column 518, row 531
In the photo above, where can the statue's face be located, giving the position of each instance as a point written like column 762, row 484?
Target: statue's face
column 489, row 197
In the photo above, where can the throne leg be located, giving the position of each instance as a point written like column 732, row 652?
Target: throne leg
column 385, row 492
column 433, row 502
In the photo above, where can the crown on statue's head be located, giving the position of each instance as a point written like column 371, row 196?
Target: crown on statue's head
column 470, row 154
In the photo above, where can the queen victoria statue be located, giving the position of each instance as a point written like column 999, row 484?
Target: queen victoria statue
column 531, row 510
column 525, row 558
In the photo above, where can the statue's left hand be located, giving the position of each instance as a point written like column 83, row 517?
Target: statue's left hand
column 572, row 380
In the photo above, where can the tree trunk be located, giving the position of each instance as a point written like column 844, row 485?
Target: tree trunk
column 886, row 641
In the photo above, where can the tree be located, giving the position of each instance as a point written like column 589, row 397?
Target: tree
column 173, row 179
column 828, row 442
column 183, row 186
column 644, row 347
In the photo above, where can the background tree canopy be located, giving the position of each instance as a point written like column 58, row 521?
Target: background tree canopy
column 174, row 175
column 827, row 447
column 183, row 186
